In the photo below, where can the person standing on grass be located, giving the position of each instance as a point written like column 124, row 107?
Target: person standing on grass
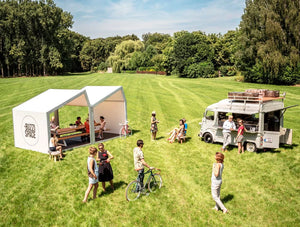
column 92, row 169
column 216, row 182
column 154, row 123
column 105, row 170
column 240, row 136
column 139, row 162
column 228, row 126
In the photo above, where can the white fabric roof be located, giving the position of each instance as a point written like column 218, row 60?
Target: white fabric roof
column 97, row 94
column 53, row 99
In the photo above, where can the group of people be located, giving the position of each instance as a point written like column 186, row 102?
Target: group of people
column 98, row 172
column 102, row 125
column 55, row 146
column 230, row 126
column 176, row 133
column 103, row 171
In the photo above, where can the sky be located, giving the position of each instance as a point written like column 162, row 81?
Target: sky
column 106, row 18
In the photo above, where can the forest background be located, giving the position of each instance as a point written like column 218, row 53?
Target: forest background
column 36, row 40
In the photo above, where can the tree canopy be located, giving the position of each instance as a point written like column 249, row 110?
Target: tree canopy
column 270, row 41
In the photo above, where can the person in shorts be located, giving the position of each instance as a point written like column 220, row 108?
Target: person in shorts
column 240, row 136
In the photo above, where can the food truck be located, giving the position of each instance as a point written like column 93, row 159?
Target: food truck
column 262, row 112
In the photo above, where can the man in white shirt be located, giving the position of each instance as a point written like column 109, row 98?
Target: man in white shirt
column 139, row 161
column 228, row 126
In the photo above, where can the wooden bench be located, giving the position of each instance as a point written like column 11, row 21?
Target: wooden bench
column 72, row 136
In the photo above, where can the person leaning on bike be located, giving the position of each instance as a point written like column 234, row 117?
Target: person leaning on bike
column 139, row 161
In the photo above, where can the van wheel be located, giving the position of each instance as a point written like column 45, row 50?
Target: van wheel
column 251, row 147
column 208, row 138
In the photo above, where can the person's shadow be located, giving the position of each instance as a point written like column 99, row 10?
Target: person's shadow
column 227, row 198
column 108, row 189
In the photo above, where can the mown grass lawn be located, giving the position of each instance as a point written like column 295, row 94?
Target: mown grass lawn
column 259, row 189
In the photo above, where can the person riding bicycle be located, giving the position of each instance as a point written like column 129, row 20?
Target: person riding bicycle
column 139, row 161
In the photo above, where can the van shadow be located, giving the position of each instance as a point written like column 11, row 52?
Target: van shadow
column 227, row 198
column 108, row 189
column 282, row 146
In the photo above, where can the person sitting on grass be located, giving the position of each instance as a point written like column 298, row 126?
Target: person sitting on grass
column 180, row 134
column 185, row 126
column 92, row 169
column 54, row 146
column 173, row 135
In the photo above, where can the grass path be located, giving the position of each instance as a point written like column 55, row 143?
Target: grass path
column 259, row 189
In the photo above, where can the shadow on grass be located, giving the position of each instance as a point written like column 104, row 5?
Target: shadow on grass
column 134, row 131
column 227, row 198
column 108, row 189
column 159, row 138
column 187, row 139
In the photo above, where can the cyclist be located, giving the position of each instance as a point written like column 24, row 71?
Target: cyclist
column 139, row 161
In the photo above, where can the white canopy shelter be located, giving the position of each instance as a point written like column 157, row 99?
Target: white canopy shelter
column 32, row 118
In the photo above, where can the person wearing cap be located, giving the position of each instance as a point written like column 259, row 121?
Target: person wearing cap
column 228, row 126
column 139, row 161
column 153, row 128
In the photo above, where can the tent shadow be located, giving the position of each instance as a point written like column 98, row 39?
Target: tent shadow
column 227, row 198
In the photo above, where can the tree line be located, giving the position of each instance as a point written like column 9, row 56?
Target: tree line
column 35, row 39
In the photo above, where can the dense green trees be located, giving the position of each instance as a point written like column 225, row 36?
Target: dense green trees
column 35, row 39
column 269, row 40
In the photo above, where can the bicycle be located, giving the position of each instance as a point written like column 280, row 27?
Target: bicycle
column 124, row 130
column 134, row 188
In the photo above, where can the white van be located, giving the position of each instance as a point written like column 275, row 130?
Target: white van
column 262, row 116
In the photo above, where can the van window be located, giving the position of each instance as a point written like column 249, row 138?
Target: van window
column 210, row 115
column 222, row 118
column 272, row 121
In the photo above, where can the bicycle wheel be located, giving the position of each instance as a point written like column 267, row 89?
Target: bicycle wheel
column 155, row 182
column 122, row 133
column 133, row 190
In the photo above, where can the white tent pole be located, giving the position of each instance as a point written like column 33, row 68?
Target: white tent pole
column 92, row 126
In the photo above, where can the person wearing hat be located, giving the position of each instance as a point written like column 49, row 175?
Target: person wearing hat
column 153, row 128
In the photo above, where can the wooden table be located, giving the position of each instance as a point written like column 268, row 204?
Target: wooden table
column 67, row 133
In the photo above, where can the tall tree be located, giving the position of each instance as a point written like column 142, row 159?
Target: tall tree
column 269, row 40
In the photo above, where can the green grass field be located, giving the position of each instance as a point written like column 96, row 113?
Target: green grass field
column 259, row 189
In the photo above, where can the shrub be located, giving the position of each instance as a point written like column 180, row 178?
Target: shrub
column 227, row 70
column 102, row 66
column 202, row 69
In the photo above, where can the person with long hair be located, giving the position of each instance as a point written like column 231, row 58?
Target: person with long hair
column 105, row 170
column 180, row 134
column 216, row 182
column 92, row 169
column 240, row 136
